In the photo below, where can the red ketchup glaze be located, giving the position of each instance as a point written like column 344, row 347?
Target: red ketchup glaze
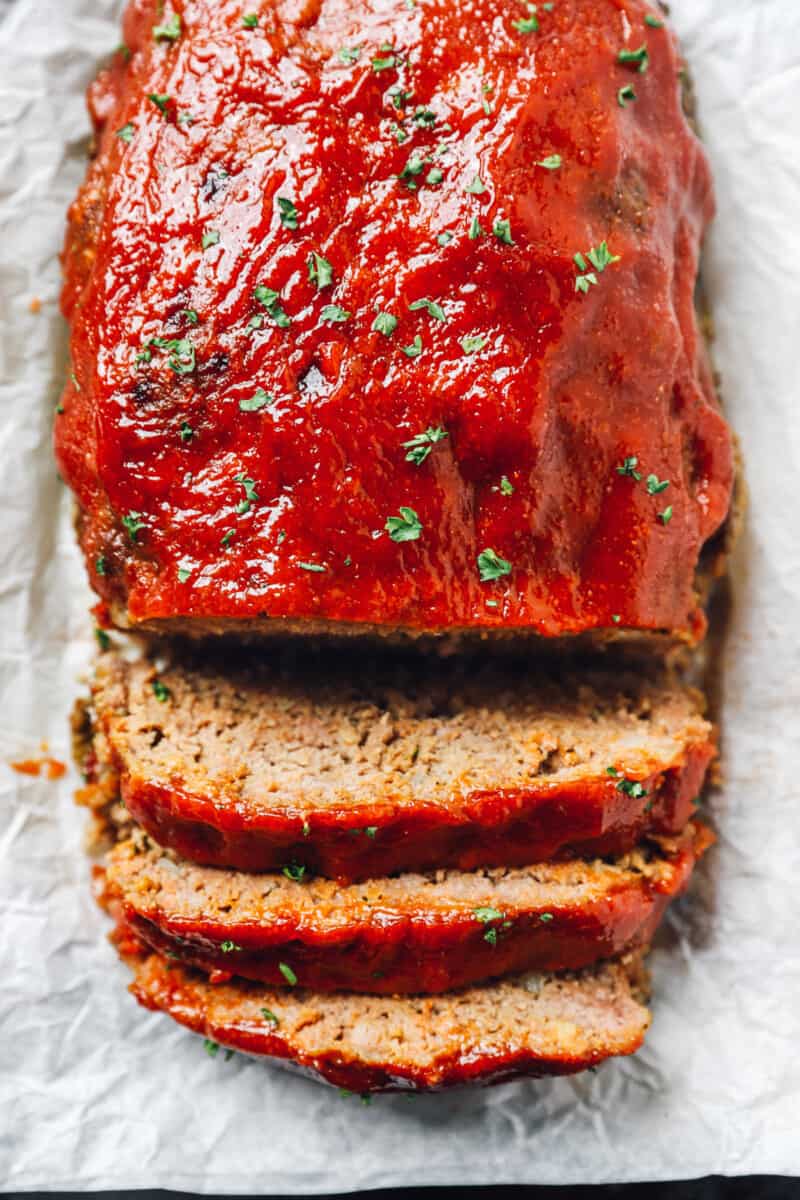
column 247, row 469
column 164, row 987
column 426, row 951
column 511, row 828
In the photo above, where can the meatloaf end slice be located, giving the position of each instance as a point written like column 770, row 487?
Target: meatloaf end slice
column 407, row 934
column 533, row 1024
column 362, row 769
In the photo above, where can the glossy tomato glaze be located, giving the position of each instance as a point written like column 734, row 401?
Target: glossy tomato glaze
column 584, row 818
column 423, row 951
column 164, row 986
column 396, row 132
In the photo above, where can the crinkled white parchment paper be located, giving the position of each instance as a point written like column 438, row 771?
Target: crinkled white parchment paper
column 96, row 1093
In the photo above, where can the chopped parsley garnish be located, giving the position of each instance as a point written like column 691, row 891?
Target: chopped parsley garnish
column 250, row 494
column 400, row 98
column 288, row 212
column 168, row 31
column 161, row 691
column 335, row 314
column 228, row 947
column 434, row 176
column 551, row 163
column 287, row 973
column 477, row 187
column 350, row 54
column 472, row 344
column 186, row 433
column 529, row 24
column 307, row 566
column 294, row 872
column 183, row 574
column 628, row 467
column 269, row 1015
column 103, row 640
column 320, row 270
column 635, row 58
column 488, row 914
column 125, row 134
column 656, row 485
column 666, row 516
column 191, row 316
column 100, row 564
column 625, row 95
column 545, row 916
column 227, row 538
column 475, row 229
column 491, row 566
column 306, row 829
column 133, row 525
column 415, row 166
column 385, row 64
column 370, row 832
column 160, row 101
column 616, row 618
column 502, row 231
column 271, row 302
column 506, row 487
column 425, row 118
column 250, row 20
column 181, row 353
column 431, row 307
column 415, row 349
column 631, row 787
column 385, row 323
column 211, row 1048
column 653, row 22
column 260, row 399
column 421, row 444
column 210, row 238
column 600, row 257
column 405, row 528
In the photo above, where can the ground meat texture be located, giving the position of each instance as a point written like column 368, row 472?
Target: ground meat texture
column 535, row 445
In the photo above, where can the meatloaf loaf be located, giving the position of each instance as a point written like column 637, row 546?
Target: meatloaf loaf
column 531, row 1024
column 382, row 318
column 395, row 765
column 408, row 934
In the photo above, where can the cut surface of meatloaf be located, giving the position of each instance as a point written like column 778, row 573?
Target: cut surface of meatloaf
column 407, row 934
column 382, row 320
column 532, row 1025
column 359, row 770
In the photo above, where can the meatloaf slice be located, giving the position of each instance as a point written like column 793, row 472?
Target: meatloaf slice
column 382, row 320
column 407, row 934
column 359, row 769
column 532, row 1024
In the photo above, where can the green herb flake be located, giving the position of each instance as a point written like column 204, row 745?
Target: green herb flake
column 420, row 446
column 545, row 916
column 371, row 831
column 270, row 299
column 184, row 573
column 415, row 349
column 529, row 24
column 630, row 787
column 487, row 914
column 228, row 947
column 601, row 257
column 506, row 487
column 434, row 176
column 168, row 31
column 472, row 344
column 477, row 187
column 551, row 163
column 385, row 64
column 103, row 640
column 385, row 323
column 415, row 166
column 250, row 494
column 227, row 538
column 100, row 565
column 186, row 433
column 211, row 1048
column 294, row 872
column 335, row 314
column 306, row 829
column 181, row 353
column 656, row 485
column 191, row 316
column 250, row 20
column 502, row 231
column 288, row 212
column 269, row 1015
column 287, row 973
column 475, row 229
column 425, row 118
column 260, row 399
column 133, row 525
column 161, row 101
column 404, row 528
column 125, row 134
column 491, row 566
column 653, row 22
column 635, row 58
column 210, row 238
column 666, row 516
column 320, row 270
column 308, row 566
column 628, row 467
column 349, row 54
column 625, row 95
column 616, row 618
column 431, row 307
column 161, row 691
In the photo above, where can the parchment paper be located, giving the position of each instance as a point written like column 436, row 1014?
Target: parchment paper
column 96, row 1093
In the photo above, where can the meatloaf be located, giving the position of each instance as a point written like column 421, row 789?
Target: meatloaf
column 532, row 1024
column 396, row 765
column 408, row 934
column 382, row 319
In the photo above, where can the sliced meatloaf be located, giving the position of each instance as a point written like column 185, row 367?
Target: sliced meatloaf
column 387, row 324
column 359, row 770
column 408, row 934
column 532, row 1024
